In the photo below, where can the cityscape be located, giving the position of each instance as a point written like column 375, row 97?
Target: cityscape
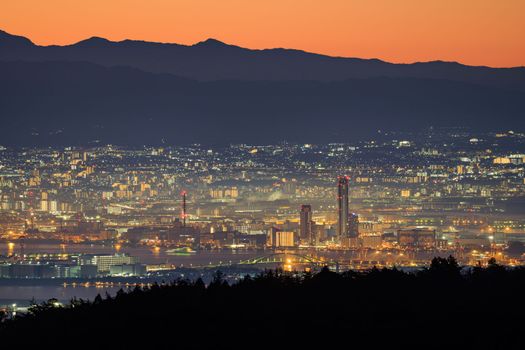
column 397, row 200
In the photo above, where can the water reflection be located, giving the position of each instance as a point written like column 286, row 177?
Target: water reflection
column 10, row 248
column 22, row 295
column 146, row 255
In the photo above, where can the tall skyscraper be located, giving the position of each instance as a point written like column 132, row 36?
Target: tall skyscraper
column 342, row 206
column 305, row 224
column 353, row 226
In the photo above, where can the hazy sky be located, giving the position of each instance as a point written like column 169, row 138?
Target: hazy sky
column 479, row 32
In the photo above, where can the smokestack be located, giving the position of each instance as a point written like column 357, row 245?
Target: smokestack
column 183, row 213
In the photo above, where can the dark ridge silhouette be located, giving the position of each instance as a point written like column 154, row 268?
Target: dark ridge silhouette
column 68, row 103
column 11, row 42
column 214, row 60
column 94, row 42
column 441, row 307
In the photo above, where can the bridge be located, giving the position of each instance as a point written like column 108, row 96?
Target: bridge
column 286, row 258
column 291, row 260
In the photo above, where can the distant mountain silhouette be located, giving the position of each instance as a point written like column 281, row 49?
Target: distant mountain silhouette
column 214, row 60
column 8, row 42
column 44, row 103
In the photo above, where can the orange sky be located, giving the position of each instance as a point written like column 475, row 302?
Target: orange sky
column 478, row 32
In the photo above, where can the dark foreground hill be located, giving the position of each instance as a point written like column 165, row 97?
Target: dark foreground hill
column 438, row 308
column 72, row 103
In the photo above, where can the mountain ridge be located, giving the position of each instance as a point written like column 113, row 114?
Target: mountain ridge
column 223, row 43
column 136, row 92
column 212, row 59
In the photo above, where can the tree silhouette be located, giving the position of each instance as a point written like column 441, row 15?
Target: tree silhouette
column 278, row 307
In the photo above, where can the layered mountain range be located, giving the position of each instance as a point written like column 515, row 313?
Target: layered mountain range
column 137, row 92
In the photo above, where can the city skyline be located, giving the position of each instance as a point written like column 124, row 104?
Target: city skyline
column 436, row 192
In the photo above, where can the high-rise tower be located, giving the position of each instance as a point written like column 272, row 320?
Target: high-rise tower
column 342, row 206
column 305, row 224
column 353, row 225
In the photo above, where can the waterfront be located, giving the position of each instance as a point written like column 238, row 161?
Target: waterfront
column 146, row 255
column 166, row 267
column 158, row 256
column 22, row 294
column 22, row 291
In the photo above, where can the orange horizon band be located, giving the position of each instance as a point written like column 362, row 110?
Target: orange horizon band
column 473, row 32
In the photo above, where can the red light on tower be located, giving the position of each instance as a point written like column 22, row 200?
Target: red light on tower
column 183, row 212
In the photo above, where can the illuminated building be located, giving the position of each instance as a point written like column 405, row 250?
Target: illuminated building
column 342, row 206
column 501, row 160
column 417, row 237
column 305, row 224
column 370, row 227
column 280, row 239
column 319, row 232
column 104, row 262
column 79, row 155
column 347, row 224
column 127, row 270
column 44, row 205
column 353, row 225
column 371, row 241
column 30, row 270
column 442, row 244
